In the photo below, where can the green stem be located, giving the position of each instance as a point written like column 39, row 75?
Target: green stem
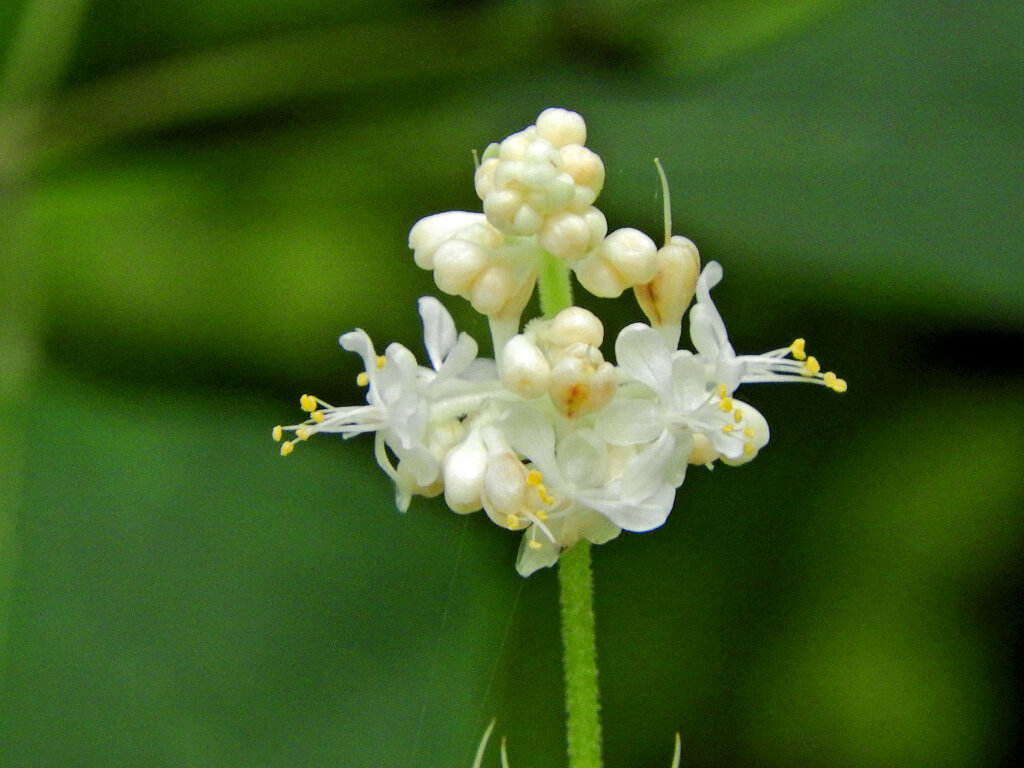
column 583, row 716
column 576, row 585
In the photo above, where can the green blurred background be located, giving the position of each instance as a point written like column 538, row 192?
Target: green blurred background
column 197, row 197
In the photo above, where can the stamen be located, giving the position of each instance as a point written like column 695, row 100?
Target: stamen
column 796, row 349
column 302, row 433
column 834, row 383
column 728, row 428
column 534, row 477
column 534, row 544
column 748, row 449
column 738, row 415
column 287, row 447
column 276, row 433
column 811, row 367
column 725, row 404
column 317, row 416
column 363, row 379
column 381, row 360
column 512, row 522
column 307, row 403
column 748, row 431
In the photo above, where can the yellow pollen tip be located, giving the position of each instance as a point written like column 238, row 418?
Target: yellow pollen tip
column 512, row 522
column 738, row 415
column 811, row 366
column 834, row 383
column 363, row 379
column 317, row 416
column 542, row 515
column 302, row 433
column 381, row 360
column 727, row 428
column 534, row 544
column 287, row 447
column 546, row 497
column 748, row 449
column 534, row 477
column 748, row 432
column 725, row 404
column 722, row 393
column 796, row 349
column 307, row 403
column 276, row 433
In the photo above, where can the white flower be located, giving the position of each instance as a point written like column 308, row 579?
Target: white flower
column 414, row 411
column 683, row 410
column 725, row 367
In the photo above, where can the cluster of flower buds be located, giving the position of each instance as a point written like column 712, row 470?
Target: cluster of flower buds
column 548, row 437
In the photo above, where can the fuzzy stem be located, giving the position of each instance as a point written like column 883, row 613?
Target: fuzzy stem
column 582, row 707
column 576, row 585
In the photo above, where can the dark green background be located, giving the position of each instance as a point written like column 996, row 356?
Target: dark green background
column 197, row 197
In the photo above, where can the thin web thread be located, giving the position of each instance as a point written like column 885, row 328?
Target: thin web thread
column 436, row 655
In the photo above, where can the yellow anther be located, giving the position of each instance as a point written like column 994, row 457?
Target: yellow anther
column 534, row 477
column 727, row 428
column 512, row 522
column 722, row 392
column 381, row 360
column 362, row 379
column 276, row 433
column 748, row 431
column 287, row 447
column 834, row 383
column 534, row 544
column 725, row 404
column 546, row 497
column 811, row 366
column 317, row 416
column 307, row 403
column 748, row 449
column 738, row 415
column 302, row 433
column 796, row 349
column 542, row 515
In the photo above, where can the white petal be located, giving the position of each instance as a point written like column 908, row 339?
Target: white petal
column 648, row 470
column 358, row 341
column 530, row 434
column 628, row 422
column 642, row 354
column 532, row 559
column 438, row 330
column 583, row 459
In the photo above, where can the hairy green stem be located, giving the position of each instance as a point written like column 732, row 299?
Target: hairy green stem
column 576, row 585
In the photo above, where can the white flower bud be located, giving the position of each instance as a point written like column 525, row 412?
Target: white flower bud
column 570, row 235
column 429, row 233
column 632, row 254
column 458, row 264
column 561, row 127
column 574, row 325
column 584, row 166
column 464, row 470
column 665, row 298
column 625, row 258
column 581, row 381
column 524, row 369
column 492, row 290
column 483, row 178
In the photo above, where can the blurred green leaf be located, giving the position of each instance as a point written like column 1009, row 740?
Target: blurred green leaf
column 184, row 596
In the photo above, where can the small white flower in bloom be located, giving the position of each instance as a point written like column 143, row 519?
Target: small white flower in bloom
column 550, row 439
column 412, row 410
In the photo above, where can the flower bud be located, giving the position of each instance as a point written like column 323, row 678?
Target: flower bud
column 429, row 233
column 581, row 381
column 625, row 258
column 561, row 127
column 665, row 298
column 574, row 325
column 464, row 470
column 524, row 369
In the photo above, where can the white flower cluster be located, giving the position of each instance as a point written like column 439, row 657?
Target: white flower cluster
column 549, row 438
